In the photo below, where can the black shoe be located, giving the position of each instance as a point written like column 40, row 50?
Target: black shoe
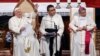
column 57, row 53
column 43, row 54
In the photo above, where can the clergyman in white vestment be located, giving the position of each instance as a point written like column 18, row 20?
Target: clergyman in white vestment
column 24, row 40
column 49, row 22
column 82, row 27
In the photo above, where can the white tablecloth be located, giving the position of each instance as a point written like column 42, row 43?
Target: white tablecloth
column 7, row 8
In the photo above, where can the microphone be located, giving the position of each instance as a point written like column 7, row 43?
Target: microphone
column 55, row 26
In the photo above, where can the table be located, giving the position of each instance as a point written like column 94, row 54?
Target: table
column 7, row 8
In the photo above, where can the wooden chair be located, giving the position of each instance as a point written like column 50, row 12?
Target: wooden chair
column 2, row 38
column 28, row 7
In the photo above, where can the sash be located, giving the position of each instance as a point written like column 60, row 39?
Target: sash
column 87, row 41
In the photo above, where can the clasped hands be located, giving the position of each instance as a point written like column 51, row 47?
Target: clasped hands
column 81, row 28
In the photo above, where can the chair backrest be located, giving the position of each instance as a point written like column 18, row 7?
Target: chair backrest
column 28, row 10
column 26, row 5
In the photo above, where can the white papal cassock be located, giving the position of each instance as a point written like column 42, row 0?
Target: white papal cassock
column 78, row 39
column 49, row 22
column 25, row 42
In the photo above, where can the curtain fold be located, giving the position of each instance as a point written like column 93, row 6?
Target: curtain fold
column 44, row 0
column 89, row 3
column 9, row 0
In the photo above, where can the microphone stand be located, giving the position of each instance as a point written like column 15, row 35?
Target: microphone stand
column 56, row 38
